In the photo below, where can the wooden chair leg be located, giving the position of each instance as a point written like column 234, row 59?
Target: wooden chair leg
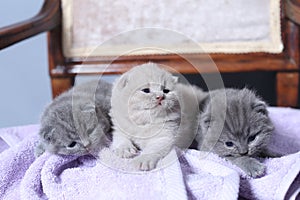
column 287, row 87
column 61, row 84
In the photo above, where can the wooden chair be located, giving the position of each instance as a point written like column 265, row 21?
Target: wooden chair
column 62, row 70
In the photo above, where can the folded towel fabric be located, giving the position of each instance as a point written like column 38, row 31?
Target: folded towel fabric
column 286, row 137
column 14, row 163
column 208, row 176
column 71, row 177
column 279, row 182
column 202, row 176
column 195, row 175
column 11, row 136
column 282, row 177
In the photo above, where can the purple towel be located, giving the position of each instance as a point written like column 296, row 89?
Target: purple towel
column 15, row 161
column 196, row 175
column 208, row 176
column 70, row 177
column 286, row 137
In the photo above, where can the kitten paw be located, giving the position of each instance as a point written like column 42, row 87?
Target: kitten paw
column 126, row 150
column 254, row 168
column 146, row 162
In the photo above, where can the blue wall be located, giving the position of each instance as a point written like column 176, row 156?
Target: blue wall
column 24, row 81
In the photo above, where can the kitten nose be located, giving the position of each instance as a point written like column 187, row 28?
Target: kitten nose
column 88, row 147
column 243, row 153
column 160, row 98
column 86, row 144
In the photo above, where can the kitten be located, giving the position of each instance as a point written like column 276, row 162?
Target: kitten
column 146, row 115
column 190, row 97
column 246, row 131
column 77, row 121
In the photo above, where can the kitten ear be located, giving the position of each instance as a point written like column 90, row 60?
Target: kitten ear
column 46, row 132
column 175, row 79
column 260, row 107
column 123, row 81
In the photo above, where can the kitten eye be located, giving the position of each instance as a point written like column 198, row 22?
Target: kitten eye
column 146, row 90
column 206, row 121
column 166, row 91
column 229, row 144
column 90, row 131
column 48, row 138
column 262, row 111
column 251, row 138
column 260, row 108
column 73, row 144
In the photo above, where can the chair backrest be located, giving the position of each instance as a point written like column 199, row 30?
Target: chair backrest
column 253, row 35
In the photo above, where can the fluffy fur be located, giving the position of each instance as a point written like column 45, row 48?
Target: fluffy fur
column 190, row 97
column 76, row 122
column 245, row 132
column 146, row 113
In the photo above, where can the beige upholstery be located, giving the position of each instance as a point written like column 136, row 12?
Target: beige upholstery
column 100, row 27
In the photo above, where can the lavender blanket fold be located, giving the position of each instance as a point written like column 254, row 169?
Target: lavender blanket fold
column 282, row 177
column 195, row 175
column 71, row 177
column 208, row 176
column 15, row 161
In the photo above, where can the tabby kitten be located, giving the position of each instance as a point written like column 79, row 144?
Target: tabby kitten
column 246, row 131
column 77, row 121
column 146, row 115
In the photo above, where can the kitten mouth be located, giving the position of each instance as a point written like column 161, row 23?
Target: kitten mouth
column 232, row 155
column 160, row 103
column 157, row 103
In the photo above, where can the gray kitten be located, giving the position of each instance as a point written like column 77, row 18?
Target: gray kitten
column 77, row 121
column 246, row 131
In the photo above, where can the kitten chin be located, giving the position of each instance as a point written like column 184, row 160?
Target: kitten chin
column 242, row 131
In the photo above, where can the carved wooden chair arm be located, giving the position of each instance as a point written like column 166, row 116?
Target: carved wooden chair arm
column 47, row 19
column 292, row 9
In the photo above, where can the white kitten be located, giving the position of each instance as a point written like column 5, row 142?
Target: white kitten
column 146, row 115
